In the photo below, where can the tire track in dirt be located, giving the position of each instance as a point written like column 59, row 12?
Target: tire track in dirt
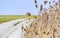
column 15, row 28
column 5, row 27
column 19, row 30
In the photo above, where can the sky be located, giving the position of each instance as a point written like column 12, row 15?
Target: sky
column 20, row 7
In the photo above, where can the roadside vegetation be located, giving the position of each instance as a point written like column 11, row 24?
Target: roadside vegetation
column 5, row 18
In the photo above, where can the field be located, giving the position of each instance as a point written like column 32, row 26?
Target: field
column 5, row 18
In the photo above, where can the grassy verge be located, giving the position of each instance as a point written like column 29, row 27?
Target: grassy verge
column 5, row 18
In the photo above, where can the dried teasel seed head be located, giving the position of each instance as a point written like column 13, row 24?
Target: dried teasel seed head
column 24, row 29
column 44, row 32
column 36, row 6
column 56, row 3
column 45, row 2
column 49, row 2
column 41, row 7
column 35, row 1
column 48, row 33
column 36, row 33
column 27, row 31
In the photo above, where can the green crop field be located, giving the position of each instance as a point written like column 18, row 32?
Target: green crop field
column 5, row 18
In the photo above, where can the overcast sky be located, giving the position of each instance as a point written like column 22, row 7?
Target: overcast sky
column 19, row 7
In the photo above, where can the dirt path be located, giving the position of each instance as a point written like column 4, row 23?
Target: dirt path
column 12, row 29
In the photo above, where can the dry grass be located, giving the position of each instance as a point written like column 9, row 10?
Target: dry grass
column 45, row 25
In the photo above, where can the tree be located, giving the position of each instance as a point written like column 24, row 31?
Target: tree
column 28, row 14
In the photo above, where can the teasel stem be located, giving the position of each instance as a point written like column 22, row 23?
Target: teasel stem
column 54, row 33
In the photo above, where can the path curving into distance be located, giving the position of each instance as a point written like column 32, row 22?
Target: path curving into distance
column 12, row 29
